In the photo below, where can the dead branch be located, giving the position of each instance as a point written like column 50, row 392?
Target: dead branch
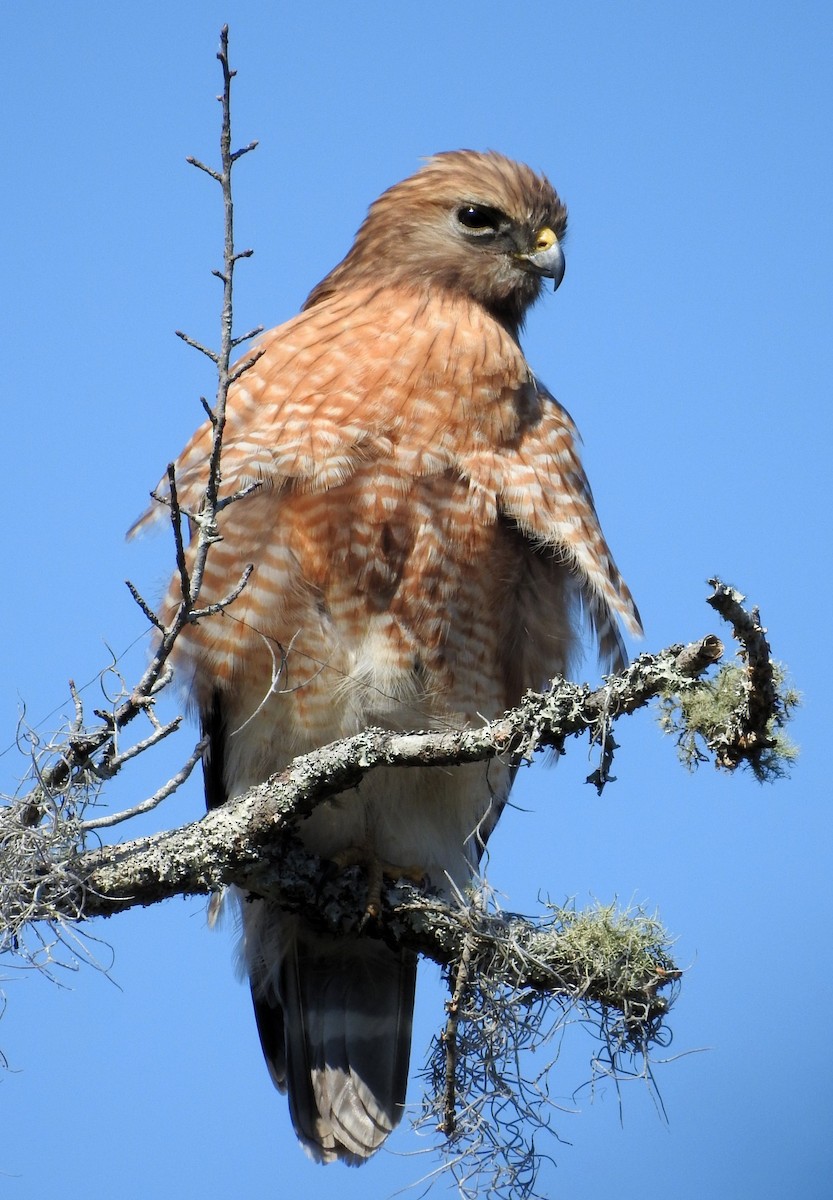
column 88, row 750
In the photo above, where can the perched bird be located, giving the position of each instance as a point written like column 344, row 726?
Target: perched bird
column 425, row 546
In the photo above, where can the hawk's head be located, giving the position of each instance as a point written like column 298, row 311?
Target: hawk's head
column 477, row 224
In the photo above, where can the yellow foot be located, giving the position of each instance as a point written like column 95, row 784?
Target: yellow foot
column 377, row 869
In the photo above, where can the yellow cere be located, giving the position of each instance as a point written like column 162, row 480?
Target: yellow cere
column 545, row 239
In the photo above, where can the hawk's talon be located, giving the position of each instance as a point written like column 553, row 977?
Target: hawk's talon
column 377, row 870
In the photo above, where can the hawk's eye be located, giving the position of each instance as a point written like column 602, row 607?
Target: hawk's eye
column 479, row 218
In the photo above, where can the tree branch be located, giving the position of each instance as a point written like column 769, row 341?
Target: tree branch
column 80, row 757
column 252, row 842
column 750, row 733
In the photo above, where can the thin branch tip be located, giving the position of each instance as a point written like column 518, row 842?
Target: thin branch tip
column 244, row 150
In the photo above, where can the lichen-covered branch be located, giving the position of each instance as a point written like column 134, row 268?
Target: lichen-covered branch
column 237, row 843
column 750, row 732
column 738, row 716
column 252, row 842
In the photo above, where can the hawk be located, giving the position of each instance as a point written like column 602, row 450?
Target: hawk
column 425, row 546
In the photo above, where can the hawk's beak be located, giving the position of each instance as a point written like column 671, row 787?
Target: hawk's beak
column 547, row 258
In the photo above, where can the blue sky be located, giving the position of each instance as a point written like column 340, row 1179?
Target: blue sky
column 691, row 342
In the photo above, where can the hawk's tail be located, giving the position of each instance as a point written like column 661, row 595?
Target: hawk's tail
column 334, row 1016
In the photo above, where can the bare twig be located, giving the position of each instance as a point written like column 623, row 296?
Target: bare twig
column 176, row 526
column 229, row 598
column 225, row 501
column 144, row 606
column 156, row 799
column 87, row 748
column 189, row 341
column 159, row 734
column 244, row 365
column 246, row 337
column 195, row 162
column 206, row 520
column 448, row 1123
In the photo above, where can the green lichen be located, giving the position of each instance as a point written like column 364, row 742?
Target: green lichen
column 712, row 714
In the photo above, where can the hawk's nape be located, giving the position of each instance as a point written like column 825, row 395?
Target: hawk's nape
column 424, row 548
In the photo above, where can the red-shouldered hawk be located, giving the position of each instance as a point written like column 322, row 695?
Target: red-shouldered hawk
column 424, row 544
